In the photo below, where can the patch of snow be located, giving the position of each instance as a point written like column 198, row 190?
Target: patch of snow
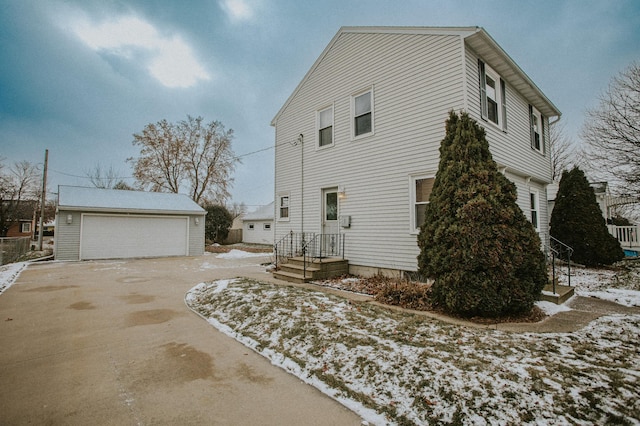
column 551, row 308
column 621, row 297
column 240, row 254
column 9, row 274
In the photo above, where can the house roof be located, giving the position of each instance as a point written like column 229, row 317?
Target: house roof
column 123, row 201
column 262, row 213
column 477, row 39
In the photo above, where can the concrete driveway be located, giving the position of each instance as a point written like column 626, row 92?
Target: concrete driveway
column 112, row 343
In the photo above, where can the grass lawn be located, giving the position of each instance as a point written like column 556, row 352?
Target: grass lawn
column 400, row 368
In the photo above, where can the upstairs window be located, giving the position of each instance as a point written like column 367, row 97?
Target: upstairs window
column 325, row 127
column 25, row 227
column 493, row 97
column 362, row 107
column 251, row 227
column 420, row 191
column 537, row 129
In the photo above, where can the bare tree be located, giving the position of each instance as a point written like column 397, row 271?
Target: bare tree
column 187, row 155
column 237, row 209
column 612, row 132
column 562, row 150
column 18, row 184
column 101, row 177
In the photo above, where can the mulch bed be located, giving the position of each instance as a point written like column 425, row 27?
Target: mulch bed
column 412, row 295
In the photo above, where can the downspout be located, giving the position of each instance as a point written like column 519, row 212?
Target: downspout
column 301, row 140
column 546, row 190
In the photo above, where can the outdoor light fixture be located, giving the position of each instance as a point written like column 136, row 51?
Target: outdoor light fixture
column 342, row 191
column 69, row 219
column 197, row 220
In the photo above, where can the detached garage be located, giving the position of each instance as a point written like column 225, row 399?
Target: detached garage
column 95, row 223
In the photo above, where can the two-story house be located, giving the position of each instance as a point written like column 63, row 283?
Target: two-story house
column 357, row 142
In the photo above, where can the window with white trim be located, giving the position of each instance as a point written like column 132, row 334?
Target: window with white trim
column 283, row 207
column 251, row 227
column 362, row 111
column 266, row 226
column 493, row 97
column 25, row 227
column 421, row 187
column 533, row 202
column 325, row 127
column 537, row 129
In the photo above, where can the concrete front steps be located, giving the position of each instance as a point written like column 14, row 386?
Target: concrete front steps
column 318, row 269
column 562, row 294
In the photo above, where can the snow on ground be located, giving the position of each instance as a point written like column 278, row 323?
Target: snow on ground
column 9, row 274
column 395, row 368
column 399, row 368
column 240, row 254
column 620, row 284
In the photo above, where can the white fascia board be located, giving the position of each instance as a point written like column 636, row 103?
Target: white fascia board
column 491, row 52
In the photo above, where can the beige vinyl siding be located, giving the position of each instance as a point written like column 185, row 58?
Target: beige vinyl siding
column 196, row 235
column 416, row 80
column 67, row 239
column 513, row 147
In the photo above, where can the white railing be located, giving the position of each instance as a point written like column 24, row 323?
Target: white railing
column 626, row 235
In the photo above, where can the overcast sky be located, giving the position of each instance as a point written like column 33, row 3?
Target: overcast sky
column 80, row 77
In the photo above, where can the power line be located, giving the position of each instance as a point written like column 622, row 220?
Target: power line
column 237, row 157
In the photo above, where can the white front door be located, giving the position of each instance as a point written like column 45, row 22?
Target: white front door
column 330, row 211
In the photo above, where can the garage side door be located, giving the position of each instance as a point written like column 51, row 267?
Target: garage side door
column 120, row 236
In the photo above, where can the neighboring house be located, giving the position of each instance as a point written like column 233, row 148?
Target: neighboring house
column 257, row 227
column 21, row 222
column 95, row 223
column 357, row 142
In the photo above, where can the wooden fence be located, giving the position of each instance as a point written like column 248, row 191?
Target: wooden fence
column 12, row 248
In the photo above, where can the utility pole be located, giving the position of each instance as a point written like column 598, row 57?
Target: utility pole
column 43, row 199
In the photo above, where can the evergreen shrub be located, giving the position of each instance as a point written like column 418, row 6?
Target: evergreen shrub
column 577, row 221
column 482, row 253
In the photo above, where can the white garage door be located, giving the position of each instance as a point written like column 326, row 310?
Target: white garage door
column 120, row 236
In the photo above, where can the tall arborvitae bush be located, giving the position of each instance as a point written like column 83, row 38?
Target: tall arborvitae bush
column 476, row 244
column 578, row 222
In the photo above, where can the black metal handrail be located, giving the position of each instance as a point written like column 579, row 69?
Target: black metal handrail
column 559, row 249
column 291, row 245
column 322, row 246
column 310, row 246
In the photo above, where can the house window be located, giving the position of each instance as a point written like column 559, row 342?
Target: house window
column 493, row 99
column 362, row 107
column 251, row 227
column 533, row 197
column 284, row 207
column 537, row 129
column 266, row 226
column 421, row 187
column 25, row 227
column 325, row 127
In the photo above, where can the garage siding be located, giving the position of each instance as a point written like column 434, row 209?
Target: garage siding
column 67, row 236
column 196, row 235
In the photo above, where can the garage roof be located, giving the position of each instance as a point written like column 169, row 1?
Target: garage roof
column 262, row 213
column 122, row 201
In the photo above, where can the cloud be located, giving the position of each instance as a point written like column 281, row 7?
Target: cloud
column 237, row 10
column 169, row 59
